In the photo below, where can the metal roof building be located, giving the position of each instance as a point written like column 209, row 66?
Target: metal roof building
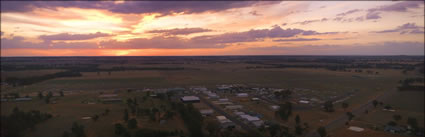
column 190, row 99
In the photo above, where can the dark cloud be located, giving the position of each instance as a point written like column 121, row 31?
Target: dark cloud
column 407, row 28
column 180, row 31
column 18, row 42
column 297, row 39
column 399, row 7
column 254, row 13
column 163, row 41
column 160, row 43
column 66, row 36
column 383, row 48
column 163, row 7
column 312, row 21
column 373, row 15
column 349, row 12
column 257, row 35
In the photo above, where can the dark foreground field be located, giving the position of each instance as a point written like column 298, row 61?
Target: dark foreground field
column 356, row 80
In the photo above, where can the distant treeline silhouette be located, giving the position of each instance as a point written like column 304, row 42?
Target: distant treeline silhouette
column 406, row 85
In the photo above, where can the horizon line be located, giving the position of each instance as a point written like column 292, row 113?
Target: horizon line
column 209, row 55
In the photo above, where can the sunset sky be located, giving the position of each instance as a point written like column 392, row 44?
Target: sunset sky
column 148, row 28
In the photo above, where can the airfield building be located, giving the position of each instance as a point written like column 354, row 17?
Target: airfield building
column 190, row 99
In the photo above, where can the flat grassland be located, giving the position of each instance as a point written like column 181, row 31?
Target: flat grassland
column 70, row 108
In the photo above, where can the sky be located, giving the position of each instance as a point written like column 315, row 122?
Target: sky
column 208, row 28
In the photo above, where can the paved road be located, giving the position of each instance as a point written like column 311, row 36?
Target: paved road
column 340, row 121
column 230, row 117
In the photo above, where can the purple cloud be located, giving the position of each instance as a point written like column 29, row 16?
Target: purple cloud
column 311, row 21
column 349, row 12
column 66, row 36
column 373, row 15
column 407, row 28
column 254, row 13
column 163, row 7
column 297, row 39
column 399, row 7
column 257, row 35
column 18, row 42
column 163, row 41
column 180, row 31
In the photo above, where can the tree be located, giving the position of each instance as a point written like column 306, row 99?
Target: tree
column 213, row 127
column 298, row 130
column 47, row 100
column 125, row 115
column 284, row 111
column 40, row 95
column 129, row 101
column 132, row 123
column 350, row 116
column 388, row 107
column 328, row 106
column 344, row 105
column 274, row 130
column 65, row 134
column 106, row 111
column 397, row 117
column 392, row 123
column 297, row 119
column 95, row 117
column 119, row 129
column 412, row 122
column 78, row 130
column 169, row 114
column 322, row 132
column 375, row 103
column 50, row 94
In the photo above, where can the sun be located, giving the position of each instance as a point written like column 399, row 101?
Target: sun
column 122, row 53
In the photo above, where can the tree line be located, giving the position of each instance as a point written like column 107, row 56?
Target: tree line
column 16, row 123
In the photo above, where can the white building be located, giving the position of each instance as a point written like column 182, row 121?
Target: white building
column 304, row 101
column 221, row 118
column 213, row 95
column 242, row 94
column 190, row 99
column 356, row 129
column 258, row 123
column 249, row 118
column 23, row 99
column 274, row 107
column 223, row 99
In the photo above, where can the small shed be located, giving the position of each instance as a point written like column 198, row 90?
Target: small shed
column 356, row 129
column 23, row 99
column 304, row 101
column 274, row 107
column 242, row 95
column 190, row 99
